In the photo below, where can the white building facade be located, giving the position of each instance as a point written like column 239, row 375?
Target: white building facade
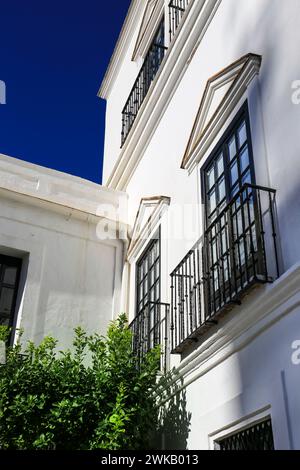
column 58, row 270
column 202, row 129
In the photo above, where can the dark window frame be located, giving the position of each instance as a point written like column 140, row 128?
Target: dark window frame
column 242, row 115
column 140, row 304
column 234, row 267
column 10, row 261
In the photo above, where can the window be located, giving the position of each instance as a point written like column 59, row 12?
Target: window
column 146, row 325
column 256, row 437
column 9, row 280
column 148, row 276
column 234, row 247
column 149, row 69
column 229, row 168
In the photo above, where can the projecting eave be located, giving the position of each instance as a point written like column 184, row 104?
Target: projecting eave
column 122, row 44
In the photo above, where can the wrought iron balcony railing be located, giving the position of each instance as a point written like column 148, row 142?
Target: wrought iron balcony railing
column 142, row 84
column 238, row 251
column 176, row 11
column 150, row 328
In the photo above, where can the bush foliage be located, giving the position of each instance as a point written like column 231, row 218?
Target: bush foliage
column 91, row 397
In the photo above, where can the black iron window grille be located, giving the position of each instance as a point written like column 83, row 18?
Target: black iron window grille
column 256, row 437
column 150, row 329
column 143, row 82
column 148, row 275
column 238, row 251
column 176, row 11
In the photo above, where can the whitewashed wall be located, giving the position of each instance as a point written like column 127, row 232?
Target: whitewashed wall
column 70, row 276
column 253, row 373
column 265, row 27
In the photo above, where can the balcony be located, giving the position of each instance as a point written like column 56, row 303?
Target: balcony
column 150, row 328
column 176, row 11
column 150, row 66
column 143, row 82
column 237, row 252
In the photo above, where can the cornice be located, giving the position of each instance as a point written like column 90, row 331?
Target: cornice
column 140, row 233
column 240, row 74
column 134, row 12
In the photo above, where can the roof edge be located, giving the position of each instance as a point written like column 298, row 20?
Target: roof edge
column 114, row 63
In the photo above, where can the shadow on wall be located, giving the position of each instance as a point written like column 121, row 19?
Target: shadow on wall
column 174, row 419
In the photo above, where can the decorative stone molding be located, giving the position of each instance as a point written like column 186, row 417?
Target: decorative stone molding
column 148, row 216
column 222, row 93
column 152, row 16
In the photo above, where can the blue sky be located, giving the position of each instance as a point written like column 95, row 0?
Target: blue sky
column 53, row 56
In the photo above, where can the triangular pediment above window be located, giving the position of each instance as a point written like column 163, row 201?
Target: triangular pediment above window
column 151, row 17
column 148, row 216
column 222, row 93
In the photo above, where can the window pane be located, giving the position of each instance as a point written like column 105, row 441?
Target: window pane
column 222, row 190
column 235, row 190
column 6, row 300
column 212, row 202
column 234, row 174
column 10, row 275
column 244, row 159
column 220, row 166
column 242, row 134
column 232, row 148
column 247, row 177
column 211, row 177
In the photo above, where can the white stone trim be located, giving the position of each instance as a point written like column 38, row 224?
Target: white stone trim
column 134, row 13
column 192, row 29
column 203, row 136
column 142, row 235
column 238, row 426
column 148, row 27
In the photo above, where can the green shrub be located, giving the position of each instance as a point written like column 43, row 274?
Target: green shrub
column 91, row 397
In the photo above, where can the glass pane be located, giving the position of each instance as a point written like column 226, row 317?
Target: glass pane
column 216, row 279
column 152, row 276
column 247, row 178
column 214, row 251
column 222, row 189
column 156, row 270
column 242, row 253
column 224, row 241
column 6, row 300
column 232, row 148
column 212, row 202
column 226, row 270
column 157, row 292
column 235, row 190
column 220, row 166
column 10, row 275
column 234, row 174
column 244, row 159
column 211, row 177
column 242, row 134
